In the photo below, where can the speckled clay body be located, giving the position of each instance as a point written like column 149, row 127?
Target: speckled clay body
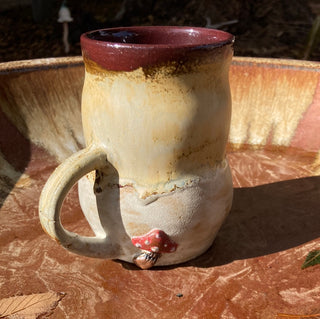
column 156, row 110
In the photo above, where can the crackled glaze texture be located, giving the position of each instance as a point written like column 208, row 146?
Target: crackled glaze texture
column 253, row 269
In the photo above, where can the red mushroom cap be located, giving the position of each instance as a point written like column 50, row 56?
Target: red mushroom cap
column 156, row 241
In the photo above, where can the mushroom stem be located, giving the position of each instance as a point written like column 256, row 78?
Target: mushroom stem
column 146, row 259
column 65, row 37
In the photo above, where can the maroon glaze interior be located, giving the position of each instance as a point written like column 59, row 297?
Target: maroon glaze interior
column 162, row 36
column 128, row 48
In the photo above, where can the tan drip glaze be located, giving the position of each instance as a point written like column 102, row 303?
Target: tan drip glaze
column 163, row 127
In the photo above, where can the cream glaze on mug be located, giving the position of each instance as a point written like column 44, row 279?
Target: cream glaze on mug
column 160, row 128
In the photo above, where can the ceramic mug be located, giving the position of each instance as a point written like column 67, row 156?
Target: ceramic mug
column 154, row 182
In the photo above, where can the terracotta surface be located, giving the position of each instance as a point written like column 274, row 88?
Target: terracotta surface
column 253, row 269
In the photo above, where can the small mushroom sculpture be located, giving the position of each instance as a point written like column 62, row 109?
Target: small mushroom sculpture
column 152, row 244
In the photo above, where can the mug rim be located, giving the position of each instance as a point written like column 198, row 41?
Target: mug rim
column 210, row 37
column 153, row 46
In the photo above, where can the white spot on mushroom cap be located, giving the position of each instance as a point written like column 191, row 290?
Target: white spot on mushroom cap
column 147, row 242
column 155, row 249
column 138, row 245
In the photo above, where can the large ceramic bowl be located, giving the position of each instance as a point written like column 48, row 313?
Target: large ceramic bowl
column 253, row 269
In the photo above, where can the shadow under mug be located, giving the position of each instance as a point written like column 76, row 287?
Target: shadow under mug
column 154, row 182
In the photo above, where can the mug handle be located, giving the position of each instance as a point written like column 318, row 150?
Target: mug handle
column 52, row 197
